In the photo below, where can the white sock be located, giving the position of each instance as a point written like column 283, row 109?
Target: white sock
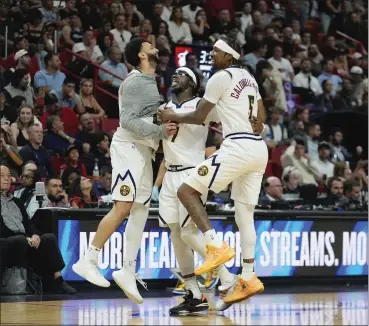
column 226, row 278
column 247, row 271
column 212, row 239
column 193, row 286
column 130, row 266
column 93, row 254
column 134, row 231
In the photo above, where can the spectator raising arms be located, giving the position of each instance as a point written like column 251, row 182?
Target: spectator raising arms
column 88, row 100
column 89, row 45
column 82, row 193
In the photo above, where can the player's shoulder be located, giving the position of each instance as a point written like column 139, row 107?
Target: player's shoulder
column 221, row 73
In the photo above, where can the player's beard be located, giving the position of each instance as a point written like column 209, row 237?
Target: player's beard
column 177, row 90
column 153, row 58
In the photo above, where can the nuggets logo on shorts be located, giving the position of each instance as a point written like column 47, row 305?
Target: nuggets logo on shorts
column 203, row 170
column 125, row 190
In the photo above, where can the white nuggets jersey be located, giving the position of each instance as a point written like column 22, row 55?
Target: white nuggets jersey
column 187, row 146
column 235, row 93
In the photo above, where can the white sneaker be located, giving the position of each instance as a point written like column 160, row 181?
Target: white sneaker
column 90, row 272
column 223, row 292
column 127, row 282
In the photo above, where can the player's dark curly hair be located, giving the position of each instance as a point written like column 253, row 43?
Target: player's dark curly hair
column 235, row 45
column 132, row 50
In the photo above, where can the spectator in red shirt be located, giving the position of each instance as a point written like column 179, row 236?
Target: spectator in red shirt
column 67, row 116
column 81, row 193
column 21, row 43
column 74, row 162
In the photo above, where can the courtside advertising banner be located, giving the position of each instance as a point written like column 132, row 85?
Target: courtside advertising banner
column 284, row 248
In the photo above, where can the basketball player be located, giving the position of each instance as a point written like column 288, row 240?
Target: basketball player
column 182, row 152
column 241, row 159
column 131, row 150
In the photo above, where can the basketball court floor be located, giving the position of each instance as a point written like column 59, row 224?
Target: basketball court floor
column 347, row 306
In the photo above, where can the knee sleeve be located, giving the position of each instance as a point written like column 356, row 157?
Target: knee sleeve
column 244, row 214
column 182, row 250
column 193, row 237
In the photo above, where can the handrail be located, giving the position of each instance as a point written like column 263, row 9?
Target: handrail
column 93, row 63
column 96, row 87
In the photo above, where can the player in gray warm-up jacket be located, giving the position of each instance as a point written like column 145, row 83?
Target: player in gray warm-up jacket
column 132, row 148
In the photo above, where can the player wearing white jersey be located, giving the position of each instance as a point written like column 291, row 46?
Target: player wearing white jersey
column 182, row 152
column 131, row 155
column 241, row 159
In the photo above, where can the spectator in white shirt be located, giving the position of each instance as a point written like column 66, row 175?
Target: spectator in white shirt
column 246, row 18
column 120, row 34
column 190, row 11
column 296, row 156
column 178, row 29
column 89, row 45
column 322, row 163
column 305, row 79
column 281, row 64
column 167, row 10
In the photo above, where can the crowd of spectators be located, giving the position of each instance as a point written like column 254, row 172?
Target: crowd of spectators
column 54, row 100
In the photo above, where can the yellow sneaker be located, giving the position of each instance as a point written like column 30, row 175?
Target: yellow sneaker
column 244, row 290
column 214, row 258
column 180, row 289
column 212, row 280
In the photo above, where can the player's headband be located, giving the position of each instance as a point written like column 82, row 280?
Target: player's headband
column 221, row 45
column 189, row 72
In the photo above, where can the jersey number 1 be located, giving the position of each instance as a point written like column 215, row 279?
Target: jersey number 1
column 175, row 135
column 251, row 103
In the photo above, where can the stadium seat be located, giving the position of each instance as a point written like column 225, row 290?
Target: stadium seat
column 109, row 125
column 56, row 163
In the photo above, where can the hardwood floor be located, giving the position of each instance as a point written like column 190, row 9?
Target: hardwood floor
column 346, row 308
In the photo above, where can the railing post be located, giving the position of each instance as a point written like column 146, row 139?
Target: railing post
column 55, row 41
column 6, row 41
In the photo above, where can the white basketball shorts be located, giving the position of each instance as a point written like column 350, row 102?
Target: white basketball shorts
column 241, row 159
column 132, row 176
column 171, row 209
